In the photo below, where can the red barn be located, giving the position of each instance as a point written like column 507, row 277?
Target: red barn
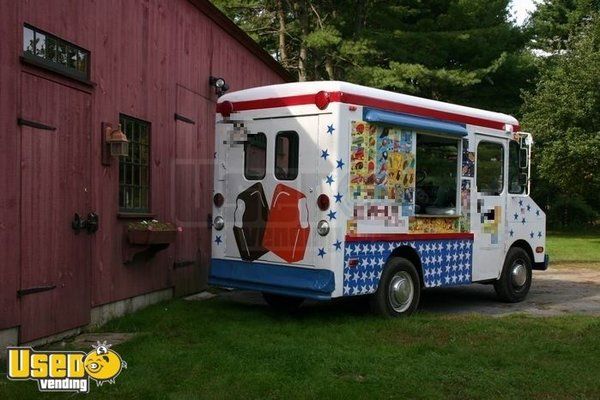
column 68, row 70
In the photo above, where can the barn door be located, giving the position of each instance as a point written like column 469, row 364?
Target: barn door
column 194, row 119
column 55, row 184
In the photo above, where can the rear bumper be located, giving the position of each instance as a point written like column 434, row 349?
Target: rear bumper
column 309, row 283
column 542, row 266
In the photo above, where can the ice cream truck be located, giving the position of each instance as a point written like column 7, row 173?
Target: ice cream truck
column 331, row 189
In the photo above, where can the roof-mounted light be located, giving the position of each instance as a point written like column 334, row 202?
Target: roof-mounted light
column 322, row 99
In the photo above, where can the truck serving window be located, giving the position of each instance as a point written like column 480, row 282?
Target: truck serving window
column 490, row 168
column 436, row 175
column 255, row 157
column 286, row 155
column 515, row 184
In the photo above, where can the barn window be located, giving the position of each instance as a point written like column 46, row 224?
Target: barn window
column 490, row 168
column 286, row 155
column 255, row 157
column 134, row 170
column 51, row 52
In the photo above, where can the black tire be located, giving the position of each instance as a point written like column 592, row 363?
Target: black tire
column 508, row 286
column 283, row 303
column 382, row 301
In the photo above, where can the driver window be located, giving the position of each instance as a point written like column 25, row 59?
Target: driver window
column 437, row 168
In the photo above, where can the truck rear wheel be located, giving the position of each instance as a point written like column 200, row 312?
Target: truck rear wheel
column 283, row 303
column 399, row 289
column 515, row 280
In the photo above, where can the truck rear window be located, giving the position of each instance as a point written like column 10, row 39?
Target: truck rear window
column 286, row 155
column 255, row 157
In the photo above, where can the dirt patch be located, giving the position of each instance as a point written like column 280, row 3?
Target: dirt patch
column 558, row 291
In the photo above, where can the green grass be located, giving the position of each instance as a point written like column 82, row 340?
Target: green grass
column 223, row 349
column 574, row 247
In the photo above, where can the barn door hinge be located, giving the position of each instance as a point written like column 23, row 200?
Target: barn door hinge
column 187, row 120
column 33, row 124
column 35, row 289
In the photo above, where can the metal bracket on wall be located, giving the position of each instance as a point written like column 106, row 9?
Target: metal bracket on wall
column 187, row 120
column 33, row 124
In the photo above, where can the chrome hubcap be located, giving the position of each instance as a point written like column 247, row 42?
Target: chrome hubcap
column 401, row 291
column 519, row 273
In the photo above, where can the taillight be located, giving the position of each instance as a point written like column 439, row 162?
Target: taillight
column 539, row 249
column 225, row 108
column 218, row 199
column 323, row 202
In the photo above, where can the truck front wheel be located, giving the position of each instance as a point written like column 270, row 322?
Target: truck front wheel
column 515, row 280
column 399, row 289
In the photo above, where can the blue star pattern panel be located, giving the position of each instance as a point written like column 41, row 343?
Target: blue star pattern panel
column 445, row 262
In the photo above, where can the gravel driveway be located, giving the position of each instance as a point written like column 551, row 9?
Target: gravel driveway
column 557, row 291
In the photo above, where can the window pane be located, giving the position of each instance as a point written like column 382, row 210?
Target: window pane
column 514, row 168
column 490, row 166
column 255, row 156
column 51, row 46
column 28, row 43
column 40, row 44
column 286, row 155
column 62, row 54
column 134, row 172
column 436, row 175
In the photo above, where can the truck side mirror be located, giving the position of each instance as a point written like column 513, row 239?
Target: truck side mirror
column 523, row 159
column 522, row 179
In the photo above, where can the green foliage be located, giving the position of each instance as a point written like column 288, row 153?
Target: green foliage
column 554, row 21
column 462, row 51
column 564, row 112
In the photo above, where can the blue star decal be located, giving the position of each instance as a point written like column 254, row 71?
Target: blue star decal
column 330, row 129
column 531, row 235
column 324, row 154
column 520, row 202
column 523, row 221
column 340, row 163
column 528, row 207
column 338, row 197
column 331, row 214
column 322, row 252
column 516, row 216
column 537, row 213
column 512, row 233
column 540, row 234
column 218, row 240
column 337, row 245
column 329, row 179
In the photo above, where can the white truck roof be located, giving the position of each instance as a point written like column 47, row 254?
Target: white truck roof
column 265, row 96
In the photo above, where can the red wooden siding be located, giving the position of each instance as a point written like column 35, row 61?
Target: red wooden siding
column 142, row 51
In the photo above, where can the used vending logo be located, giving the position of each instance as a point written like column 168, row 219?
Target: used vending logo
column 65, row 371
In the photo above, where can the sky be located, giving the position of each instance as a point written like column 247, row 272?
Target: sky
column 521, row 8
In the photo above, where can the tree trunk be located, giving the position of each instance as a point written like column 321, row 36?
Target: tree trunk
column 282, row 32
column 301, row 10
column 329, row 68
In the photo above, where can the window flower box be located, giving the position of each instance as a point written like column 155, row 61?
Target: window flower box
column 151, row 232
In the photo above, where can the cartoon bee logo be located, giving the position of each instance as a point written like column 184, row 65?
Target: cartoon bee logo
column 103, row 364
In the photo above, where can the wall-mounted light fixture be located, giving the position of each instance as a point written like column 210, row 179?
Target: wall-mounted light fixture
column 219, row 84
column 114, row 143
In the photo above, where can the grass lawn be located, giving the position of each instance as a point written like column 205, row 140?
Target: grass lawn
column 221, row 349
column 574, row 247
